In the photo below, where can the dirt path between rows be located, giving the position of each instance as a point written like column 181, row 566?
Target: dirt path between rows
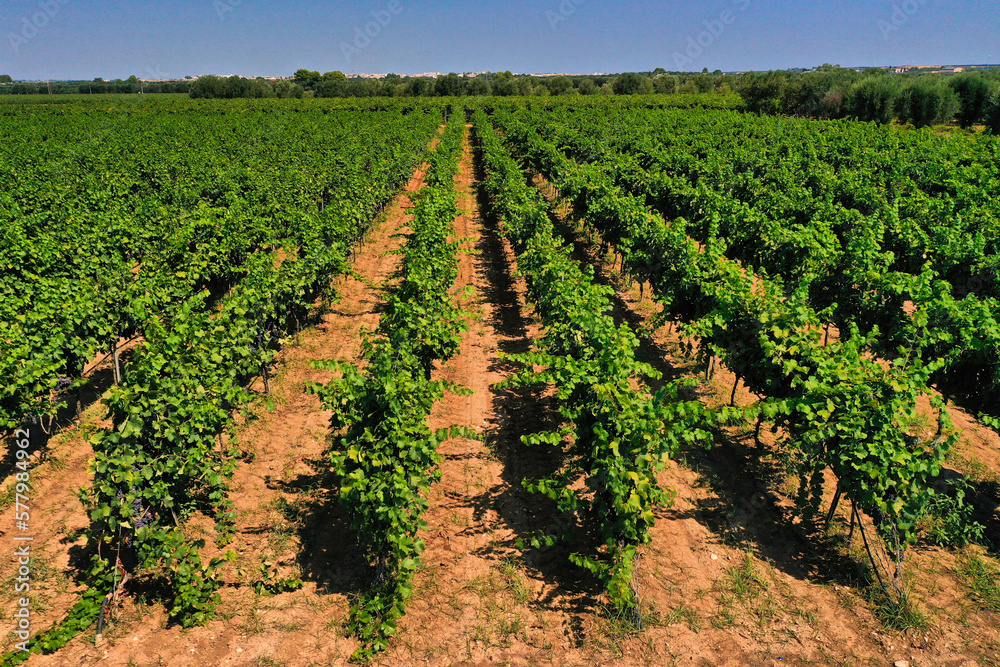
column 746, row 583
column 730, row 579
column 479, row 600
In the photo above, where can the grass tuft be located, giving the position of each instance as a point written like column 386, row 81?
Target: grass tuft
column 895, row 614
column 983, row 577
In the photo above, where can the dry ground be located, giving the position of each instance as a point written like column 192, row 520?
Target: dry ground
column 732, row 574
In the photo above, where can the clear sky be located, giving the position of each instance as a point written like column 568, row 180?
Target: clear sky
column 83, row 39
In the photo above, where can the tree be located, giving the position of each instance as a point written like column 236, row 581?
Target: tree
column 631, row 83
column 332, row 86
column 393, row 88
column 503, row 84
column 449, row 85
column 208, row 87
column 659, row 71
column 665, row 84
column 761, row 92
column 287, row 89
column 872, row 99
column 478, row 86
column 364, row 88
column 973, row 95
column 523, row 85
column 307, row 79
column 560, row 85
column 588, row 87
column 420, row 87
column 926, row 101
column 992, row 113
column 6, row 78
column 703, row 82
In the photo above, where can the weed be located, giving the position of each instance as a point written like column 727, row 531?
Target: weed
column 744, row 581
column 901, row 614
column 513, row 581
column 982, row 577
column 726, row 617
column 948, row 521
column 266, row 661
column 684, row 613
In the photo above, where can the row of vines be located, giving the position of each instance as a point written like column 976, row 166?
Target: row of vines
column 837, row 406
column 383, row 454
column 259, row 222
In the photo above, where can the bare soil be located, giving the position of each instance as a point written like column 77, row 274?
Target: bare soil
column 732, row 576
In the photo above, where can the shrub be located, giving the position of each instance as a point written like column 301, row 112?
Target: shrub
column 926, row 102
column 872, row 99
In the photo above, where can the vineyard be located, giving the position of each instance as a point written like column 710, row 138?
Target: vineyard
column 636, row 380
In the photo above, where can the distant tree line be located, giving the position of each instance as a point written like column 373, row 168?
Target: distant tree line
column 829, row 91
column 878, row 96
column 233, row 87
column 307, row 83
column 95, row 87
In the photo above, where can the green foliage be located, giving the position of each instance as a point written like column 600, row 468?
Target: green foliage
column 973, row 92
column 214, row 267
column 872, row 99
column 949, row 519
column 761, row 92
column 926, row 101
column 850, row 213
column 268, row 581
column 838, row 408
column 621, row 437
column 164, row 459
column 631, row 83
column 383, row 453
column 81, row 616
column 992, row 111
column 873, row 95
column 234, row 87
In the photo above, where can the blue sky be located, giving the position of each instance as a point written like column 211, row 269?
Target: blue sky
column 83, row 39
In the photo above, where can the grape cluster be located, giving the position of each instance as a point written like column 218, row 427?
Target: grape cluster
column 142, row 517
column 269, row 332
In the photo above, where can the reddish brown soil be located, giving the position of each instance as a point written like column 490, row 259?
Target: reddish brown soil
column 273, row 515
column 733, row 576
column 731, row 496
